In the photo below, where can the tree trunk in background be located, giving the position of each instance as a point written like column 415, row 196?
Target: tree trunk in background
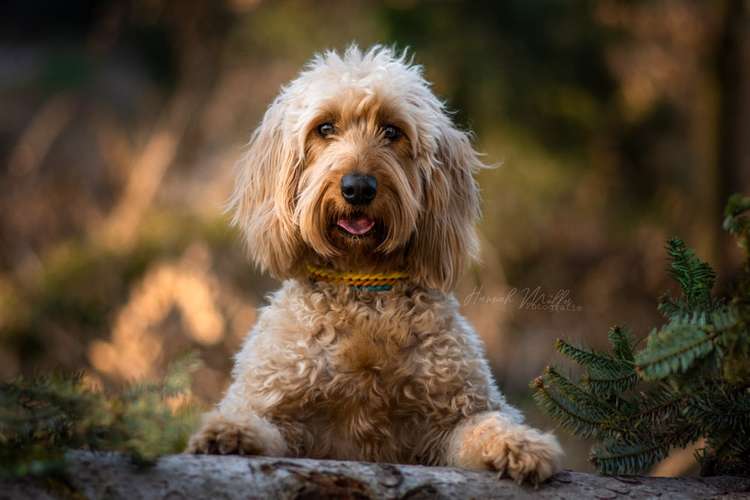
column 111, row 476
column 734, row 118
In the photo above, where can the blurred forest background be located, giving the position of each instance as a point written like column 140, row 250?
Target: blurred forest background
column 616, row 124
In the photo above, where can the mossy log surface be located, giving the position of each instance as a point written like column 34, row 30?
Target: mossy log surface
column 112, row 476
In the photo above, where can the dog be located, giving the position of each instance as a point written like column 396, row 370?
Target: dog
column 358, row 192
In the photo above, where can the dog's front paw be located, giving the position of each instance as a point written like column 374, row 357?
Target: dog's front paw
column 222, row 436
column 493, row 442
column 523, row 453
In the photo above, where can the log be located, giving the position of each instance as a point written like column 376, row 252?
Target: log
column 113, row 476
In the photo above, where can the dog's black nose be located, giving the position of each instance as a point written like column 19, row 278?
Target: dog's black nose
column 358, row 189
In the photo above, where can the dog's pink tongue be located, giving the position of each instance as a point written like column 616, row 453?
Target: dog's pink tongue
column 356, row 225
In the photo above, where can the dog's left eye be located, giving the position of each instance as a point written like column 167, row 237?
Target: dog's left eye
column 326, row 129
column 391, row 132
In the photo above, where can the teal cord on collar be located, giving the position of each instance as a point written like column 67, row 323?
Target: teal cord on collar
column 372, row 288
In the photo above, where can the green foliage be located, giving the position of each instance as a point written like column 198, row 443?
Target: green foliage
column 695, row 277
column 691, row 380
column 612, row 457
column 605, row 374
column 41, row 419
column 575, row 408
column 675, row 347
column 736, row 220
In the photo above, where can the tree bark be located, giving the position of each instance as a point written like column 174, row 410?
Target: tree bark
column 112, row 476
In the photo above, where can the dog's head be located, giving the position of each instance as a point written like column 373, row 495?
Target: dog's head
column 357, row 161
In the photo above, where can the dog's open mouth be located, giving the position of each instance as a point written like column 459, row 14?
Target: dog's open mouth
column 356, row 225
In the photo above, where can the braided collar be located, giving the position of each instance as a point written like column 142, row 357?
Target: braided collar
column 373, row 282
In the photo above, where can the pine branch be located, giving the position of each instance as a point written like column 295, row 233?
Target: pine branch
column 613, row 458
column 605, row 375
column 700, row 359
column 675, row 347
column 725, row 454
column 573, row 408
column 717, row 408
column 611, row 379
column 736, row 220
column 622, row 343
column 608, row 384
column 696, row 278
column 669, row 306
column 589, row 359
column 41, row 418
column 627, row 456
column 658, row 406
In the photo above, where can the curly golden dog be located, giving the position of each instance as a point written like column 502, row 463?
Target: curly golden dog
column 358, row 192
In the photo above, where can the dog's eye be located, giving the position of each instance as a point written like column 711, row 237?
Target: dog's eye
column 391, row 132
column 326, row 129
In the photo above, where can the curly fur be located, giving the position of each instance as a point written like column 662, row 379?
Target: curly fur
column 331, row 371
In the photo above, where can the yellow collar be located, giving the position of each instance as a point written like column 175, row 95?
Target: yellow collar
column 375, row 282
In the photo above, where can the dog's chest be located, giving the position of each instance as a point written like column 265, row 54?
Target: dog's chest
column 367, row 346
column 367, row 391
column 366, row 380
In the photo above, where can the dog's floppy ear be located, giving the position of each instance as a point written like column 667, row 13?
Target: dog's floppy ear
column 446, row 235
column 262, row 203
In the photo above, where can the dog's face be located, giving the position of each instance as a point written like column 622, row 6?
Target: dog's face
column 356, row 163
column 359, row 192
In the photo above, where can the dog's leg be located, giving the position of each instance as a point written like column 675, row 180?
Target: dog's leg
column 493, row 441
column 247, row 435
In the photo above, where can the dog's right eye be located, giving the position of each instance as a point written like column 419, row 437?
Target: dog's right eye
column 326, row 129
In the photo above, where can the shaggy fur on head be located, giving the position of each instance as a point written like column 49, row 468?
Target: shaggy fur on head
column 332, row 371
